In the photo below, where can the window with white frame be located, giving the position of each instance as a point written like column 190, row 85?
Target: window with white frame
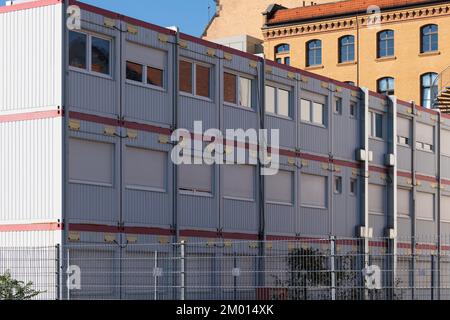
column 312, row 112
column 425, row 137
column 377, row 199
column 445, row 142
column 277, row 101
column 353, row 186
column 376, row 125
column 145, row 169
column 91, row 162
column 195, row 78
column 279, row 187
column 404, row 199
column 425, row 206
column 196, row 178
column 90, row 52
column 403, row 131
column 353, row 109
column 145, row 65
column 445, row 203
column 313, row 191
column 237, row 90
column 239, row 181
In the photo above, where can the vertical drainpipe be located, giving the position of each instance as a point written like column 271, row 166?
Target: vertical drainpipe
column 414, row 206
column 262, row 203
column 65, row 144
column 439, row 204
column 175, row 98
column 331, row 90
column 392, row 204
column 365, row 182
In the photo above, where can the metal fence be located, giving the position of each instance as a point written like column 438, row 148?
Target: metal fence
column 304, row 269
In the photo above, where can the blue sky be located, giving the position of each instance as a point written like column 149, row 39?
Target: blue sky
column 190, row 15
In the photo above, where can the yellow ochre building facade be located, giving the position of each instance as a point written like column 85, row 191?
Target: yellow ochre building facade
column 398, row 47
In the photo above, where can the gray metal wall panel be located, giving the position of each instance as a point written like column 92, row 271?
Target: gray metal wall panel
column 192, row 109
column 404, row 158
column 286, row 129
column 198, row 212
column 313, row 138
column 378, row 223
column 445, row 165
column 240, row 216
column 426, row 163
column 404, row 227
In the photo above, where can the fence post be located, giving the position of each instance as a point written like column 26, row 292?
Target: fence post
column 333, row 267
column 183, row 270
column 155, row 275
column 58, row 272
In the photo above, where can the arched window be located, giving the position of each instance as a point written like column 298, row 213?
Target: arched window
column 282, row 48
column 346, row 49
column 429, row 38
column 314, row 53
column 428, row 88
column 385, row 43
column 282, row 54
column 386, row 86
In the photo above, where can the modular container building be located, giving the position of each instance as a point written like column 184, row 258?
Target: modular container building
column 86, row 116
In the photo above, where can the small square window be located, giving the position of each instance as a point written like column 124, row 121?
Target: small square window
column 338, row 106
column 185, row 76
column 353, row 187
column 100, row 55
column 202, row 76
column 155, row 76
column 338, row 185
column 134, row 71
column 353, row 110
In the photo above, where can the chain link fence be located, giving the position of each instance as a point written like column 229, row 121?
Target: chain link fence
column 304, row 269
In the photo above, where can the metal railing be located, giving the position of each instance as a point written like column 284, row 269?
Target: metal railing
column 439, row 85
column 304, row 269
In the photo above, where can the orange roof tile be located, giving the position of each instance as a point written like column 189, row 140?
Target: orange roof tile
column 337, row 9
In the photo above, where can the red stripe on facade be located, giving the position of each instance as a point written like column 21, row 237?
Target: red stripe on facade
column 51, row 226
column 199, row 234
column 426, row 178
column 145, row 127
column 30, row 116
column 93, row 228
column 29, row 5
column 149, row 231
column 239, row 236
column 378, row 169
column 94, row 118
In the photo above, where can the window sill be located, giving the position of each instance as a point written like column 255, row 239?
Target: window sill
column 406, row 146
column 347, row 63
column 92, row 184
column 313, row 207
column 279, row 203
column 146, row 189
column 274, row 115
column 429, row 53
column 313, row 124
column 383, row 59
column 239, row 199
column 315, row 67
column 426, row 219
column 238, row 107
column 196, row 194
column 143, row 85
column 376, row 139
column 91, row 73
column 426, row 151
column 193, row 96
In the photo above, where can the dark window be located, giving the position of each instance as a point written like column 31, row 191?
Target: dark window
column 230, row 92
column 155, row 76
column 352, row 83
column 385, row 43
column 279, row 60
column 338, row 106
column 352, row 187
column 386, row 86
column 202, row 81
column 429, row 88
column 338, row 185
column 282, row 48
column 77, row 49
column 429, row 38
column 100, row 55
column 353, row 109
column 347, row 49
column 134, row 71
column 185, row 76
column 314, row 53
column 287, row 61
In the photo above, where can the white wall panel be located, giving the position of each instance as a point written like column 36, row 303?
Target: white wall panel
column 30, row 58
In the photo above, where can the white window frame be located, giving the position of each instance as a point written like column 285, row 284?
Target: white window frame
column 193, row 94
column 373, row 125
column 143, row 82
column 276, row 113
column 355, row 182
column 238, row 76
column 88, row 69
column 338, row 189
column 338, row 105
column 311, row 114
column 355, row 104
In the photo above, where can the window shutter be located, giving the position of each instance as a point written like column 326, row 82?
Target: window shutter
column 279, row 187
column 239, row 181
column 313, row 190
column 425, row 133
column 145, row 168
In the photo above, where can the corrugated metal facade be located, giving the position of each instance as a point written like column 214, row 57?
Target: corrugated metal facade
column 120, row 114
